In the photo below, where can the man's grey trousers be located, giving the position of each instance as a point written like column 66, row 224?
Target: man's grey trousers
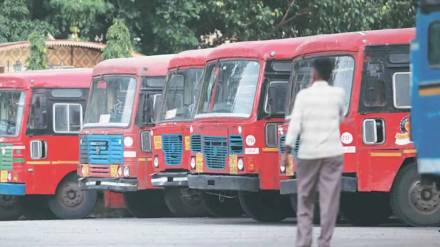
column 323, row 175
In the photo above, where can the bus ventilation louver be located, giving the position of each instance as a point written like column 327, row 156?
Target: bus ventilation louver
column 215, row 150
column 196, row 143
column 235, row 144
column 283, row 145
column 172, row 146
column 6, row 158
column 102, row 149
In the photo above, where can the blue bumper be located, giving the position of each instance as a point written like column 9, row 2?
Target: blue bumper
column 12, row 189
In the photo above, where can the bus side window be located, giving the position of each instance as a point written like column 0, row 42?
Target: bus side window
column 401, row 90
column 434, row 46
column 38, row 113
column 67, row 118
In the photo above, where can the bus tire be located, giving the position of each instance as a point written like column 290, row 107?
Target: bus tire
column 265, row 206
column 365, row 208
column 146, row 203
column 412, row 202
column 70, row 202
column 9, row 209
column 185, row 202
column 222, row 204
column 35, row 207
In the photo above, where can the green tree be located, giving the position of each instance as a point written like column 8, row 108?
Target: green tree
column 38, row 52
column 16, row 23
column 79, row 17
column 118, row 41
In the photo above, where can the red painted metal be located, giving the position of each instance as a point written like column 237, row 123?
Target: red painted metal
column 375, row 166
column 41, row 177
column 140, row 166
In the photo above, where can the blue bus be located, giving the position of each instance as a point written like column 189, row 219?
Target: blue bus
column 425, row 115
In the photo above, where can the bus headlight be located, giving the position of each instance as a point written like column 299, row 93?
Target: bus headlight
column 126, row 171
column 240, row 164
column 193, row 163
column 84, row 171
column 156, row 162
column 128, row 141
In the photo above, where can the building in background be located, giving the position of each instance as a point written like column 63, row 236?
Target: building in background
column 61, row 54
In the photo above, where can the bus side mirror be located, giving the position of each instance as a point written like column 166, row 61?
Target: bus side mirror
column 156, row 106
column 276, row 98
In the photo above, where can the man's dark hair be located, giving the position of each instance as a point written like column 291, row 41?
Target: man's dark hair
column 324, row 67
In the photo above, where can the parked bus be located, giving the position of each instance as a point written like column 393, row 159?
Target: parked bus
column 41, row 114
column 171, row 135
column 380, row 168
column 426, row 91
column 115, row 142
column 234, row 145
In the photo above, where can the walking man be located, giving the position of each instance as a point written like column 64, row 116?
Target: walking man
column 315, row 119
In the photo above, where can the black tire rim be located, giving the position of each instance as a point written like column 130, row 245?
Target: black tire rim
column 424, row 199
column 71, row 195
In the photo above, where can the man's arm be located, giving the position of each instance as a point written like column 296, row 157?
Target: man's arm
column 294, row 128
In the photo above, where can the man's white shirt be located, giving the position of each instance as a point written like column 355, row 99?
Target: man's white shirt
column 315, row 119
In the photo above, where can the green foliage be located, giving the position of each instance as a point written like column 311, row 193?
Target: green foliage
column 168, row 26
column 118, row 41
column 38, row 52
column 15, row 21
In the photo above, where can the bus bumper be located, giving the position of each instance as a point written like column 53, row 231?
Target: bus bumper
column 289, row 186
column 112, row 184
column 223, row 182
column 12, row 189
column 170, row 179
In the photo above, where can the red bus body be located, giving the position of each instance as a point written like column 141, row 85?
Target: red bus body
column 133, row 169
column 40, row 177
column 167, row 172
column 369, row 166
column 33, row 164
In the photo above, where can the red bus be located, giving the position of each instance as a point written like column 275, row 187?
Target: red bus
column 39, row 111
column 234, row 141
column 171, row 135
column 380, row 167
column 115, row 142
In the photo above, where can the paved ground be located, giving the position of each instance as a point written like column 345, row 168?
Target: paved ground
column 197, row 232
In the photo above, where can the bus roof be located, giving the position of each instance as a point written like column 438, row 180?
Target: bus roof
column 57, row 78
column 277, row 49
column 190, row 58
column 142, row 65
column 354, row 41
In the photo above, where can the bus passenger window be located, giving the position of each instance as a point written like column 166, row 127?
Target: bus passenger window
column 434, row 44
column 401, row 90
column 67, row 118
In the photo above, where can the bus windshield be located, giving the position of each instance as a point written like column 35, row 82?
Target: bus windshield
column 111, row 101
column 11, row 112
column 342, row 77
column 181, row 90
column 229, row 88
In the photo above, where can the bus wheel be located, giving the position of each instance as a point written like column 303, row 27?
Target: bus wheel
column 414, row 203
column 222, row 204
column 365, row 209
column 185, row 202
column 70, row 202
column 9, row 209
column 146, row 203
column 265, row 206
column 35, row 208
column 316, row 211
